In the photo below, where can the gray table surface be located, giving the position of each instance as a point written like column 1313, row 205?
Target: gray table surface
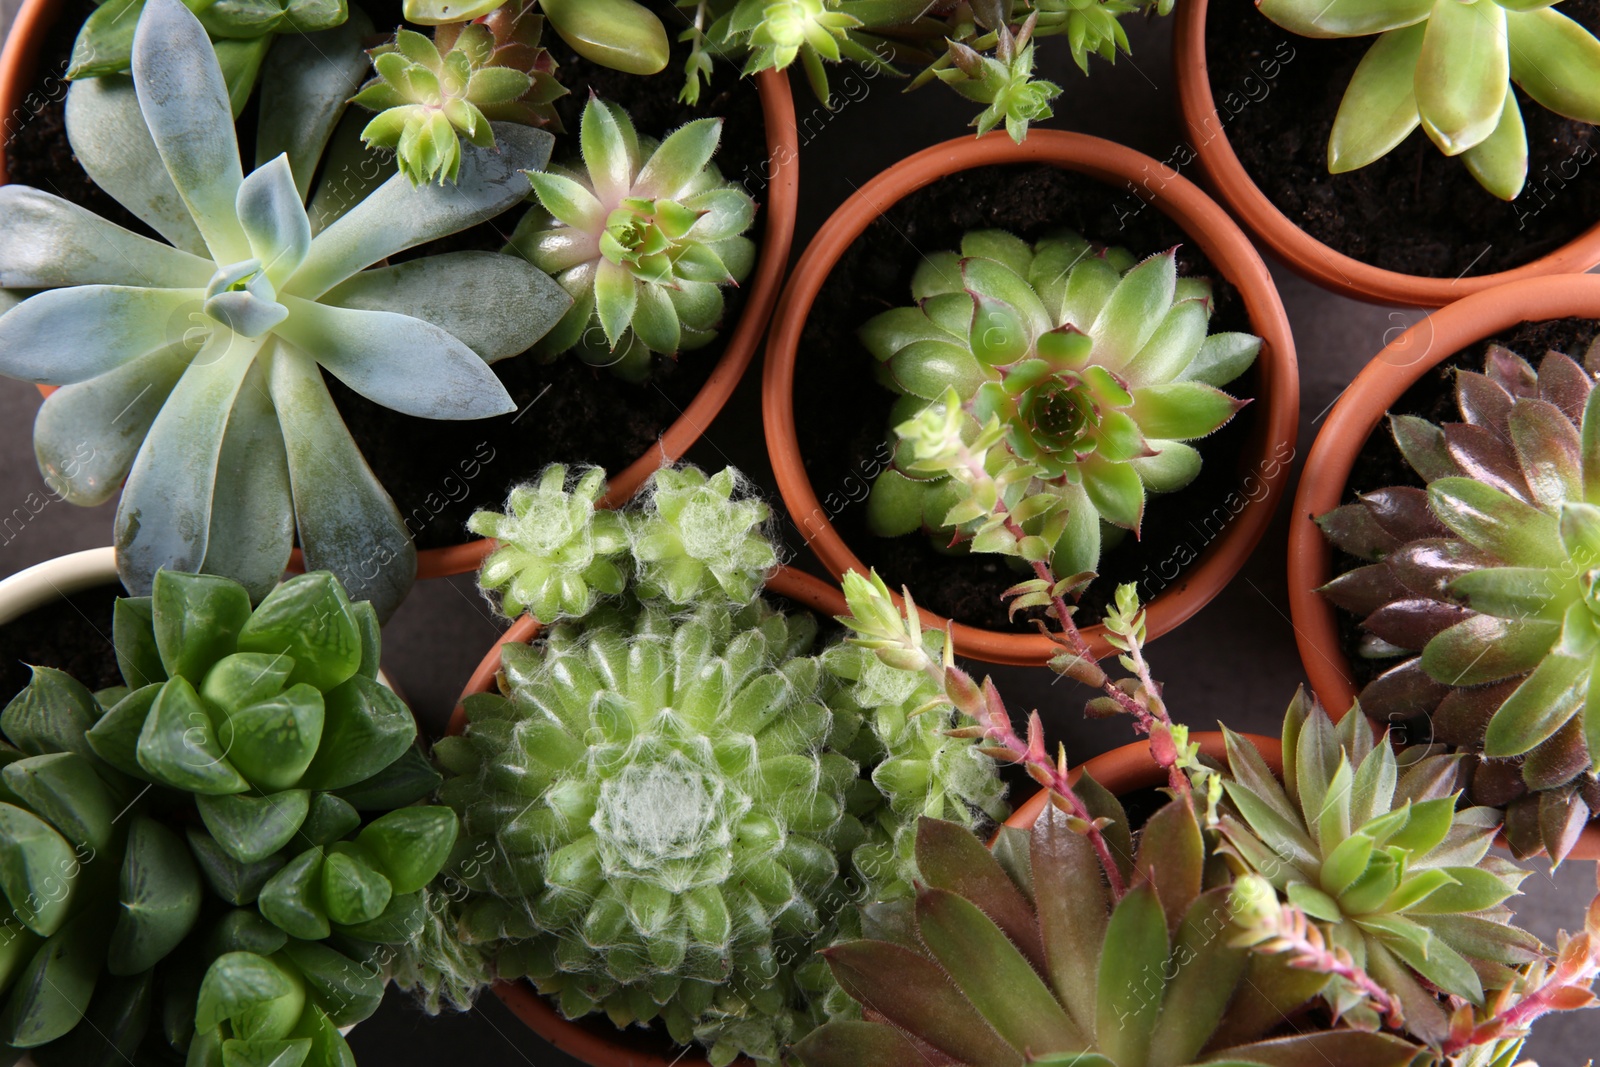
column 1236, row 660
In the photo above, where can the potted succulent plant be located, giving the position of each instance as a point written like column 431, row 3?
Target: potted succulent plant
column 506, row 90
column 1074, row 431
column 211, row 858
column 1327, row 130
column 1404, row 531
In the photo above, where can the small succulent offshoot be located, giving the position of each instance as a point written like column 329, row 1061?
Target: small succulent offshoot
column 620, row 34
column 183, row 857
column 1069, row 376
column 643, row 237
column 817, row 32
column 1482, row 588
column 1449, row 67
column 429, row 94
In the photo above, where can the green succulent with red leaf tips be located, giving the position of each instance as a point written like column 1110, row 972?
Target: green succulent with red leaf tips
column 1448, row 66
column 1004, row 81
column 1096, row 368
column 1483, row 587
column 1021, row 956
column 643, row 238
column 431, row 93
column 1372, row 845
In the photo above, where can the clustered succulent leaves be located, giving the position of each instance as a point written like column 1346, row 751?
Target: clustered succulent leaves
column 181, row 360
column 1449, row 67
column 1062, row 378
column 621, row 34
column 251, row 934
column 1373, row 844
column 643, row 237
column 664, row 805
column 431, row 93
column 1482, row 587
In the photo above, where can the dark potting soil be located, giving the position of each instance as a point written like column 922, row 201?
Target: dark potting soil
column 843, row 413
column 1433, row 397
column 439, row 473
column 1413, row 211
column 71, row 635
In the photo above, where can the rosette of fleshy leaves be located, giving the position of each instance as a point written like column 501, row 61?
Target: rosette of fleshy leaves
column 621, row 34
column 192, row 371
column 1065, row 377
column 134, row 929
column 1023, row 955
column 557, row 549
column 1373, row 847
column 643, row 237
column 697, row 538
column 1482, row 586
column 1449, row 67
column 241, row 32
column 429, row 94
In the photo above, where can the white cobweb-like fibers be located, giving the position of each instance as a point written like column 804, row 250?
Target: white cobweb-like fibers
column 657, row 811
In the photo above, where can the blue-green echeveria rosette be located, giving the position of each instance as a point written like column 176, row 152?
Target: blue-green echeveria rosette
column 643, row 236
column 191, row 371
column 1086, row 370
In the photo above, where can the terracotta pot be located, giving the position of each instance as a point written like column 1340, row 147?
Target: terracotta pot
column 1305, row 254
column 1360, row 411
column 594, row 1040
column 1276, row 407
column 18, row 65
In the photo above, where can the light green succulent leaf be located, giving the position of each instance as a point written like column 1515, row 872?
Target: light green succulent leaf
column 397, row 216
column 274, row 219
column 610, row 148
column 403, row 363
column 1512, row 592
column 997, row 282
column 1173, row 347
column 346, row 521
column 1133, row 312
column 1345, row 18
column 252, row 513
column 1489, row 519
column 51, row 242
column 1554, row 59
column 1182, row 411
column 186, row 109
column 104, row 44
column 109, row 138
column 1463, row 73
column 62, row 336
column 306, row 81
column 674, row 167
column 1485, row 648
column 163, row 519
column 1379, row 109
column 1540, row 706
column 1222, row 358
column 1116, row 492
column 568, row 200
column 1500, row 161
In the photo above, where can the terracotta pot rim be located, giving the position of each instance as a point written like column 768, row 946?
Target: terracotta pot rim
column 1303, row 253
column 1351, row 421
column 1192, row 211
column 19, row 58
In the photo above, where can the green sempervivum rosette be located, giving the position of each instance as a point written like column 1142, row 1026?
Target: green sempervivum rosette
column 662, row 815
column 431, row 93
column 191, row 372
column 700, row 537
column 1449, row 67
column 1373, row 847
column 643, row 237
column 252, row 932
column 1023, row 956
column 1482, row 587
column 1095, row 369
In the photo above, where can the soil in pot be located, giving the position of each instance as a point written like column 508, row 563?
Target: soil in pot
column 842, row 413
column 72, row 635
column 439, row 473
column 1414, row 211
column 1433, row 397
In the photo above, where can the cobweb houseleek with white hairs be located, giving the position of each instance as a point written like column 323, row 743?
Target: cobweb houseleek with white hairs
column 192, row 369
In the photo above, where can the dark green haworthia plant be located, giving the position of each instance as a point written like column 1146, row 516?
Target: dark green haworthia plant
column 1449, row 66
column 191, row 371
column 1063, row 378
column 1482, row 588
column 250, row 934
column 643, row 236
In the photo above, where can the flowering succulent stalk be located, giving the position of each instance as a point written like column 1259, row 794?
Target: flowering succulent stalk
column 430, row 94
column 134, row 928
column 643, row 238
column 1448, row 66
column 192, row 371
column 1059, row 378
column 1482, row 587
column 1022, row 956
column 1374, row 847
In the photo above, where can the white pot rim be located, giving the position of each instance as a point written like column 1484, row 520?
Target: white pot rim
column 56, row 579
